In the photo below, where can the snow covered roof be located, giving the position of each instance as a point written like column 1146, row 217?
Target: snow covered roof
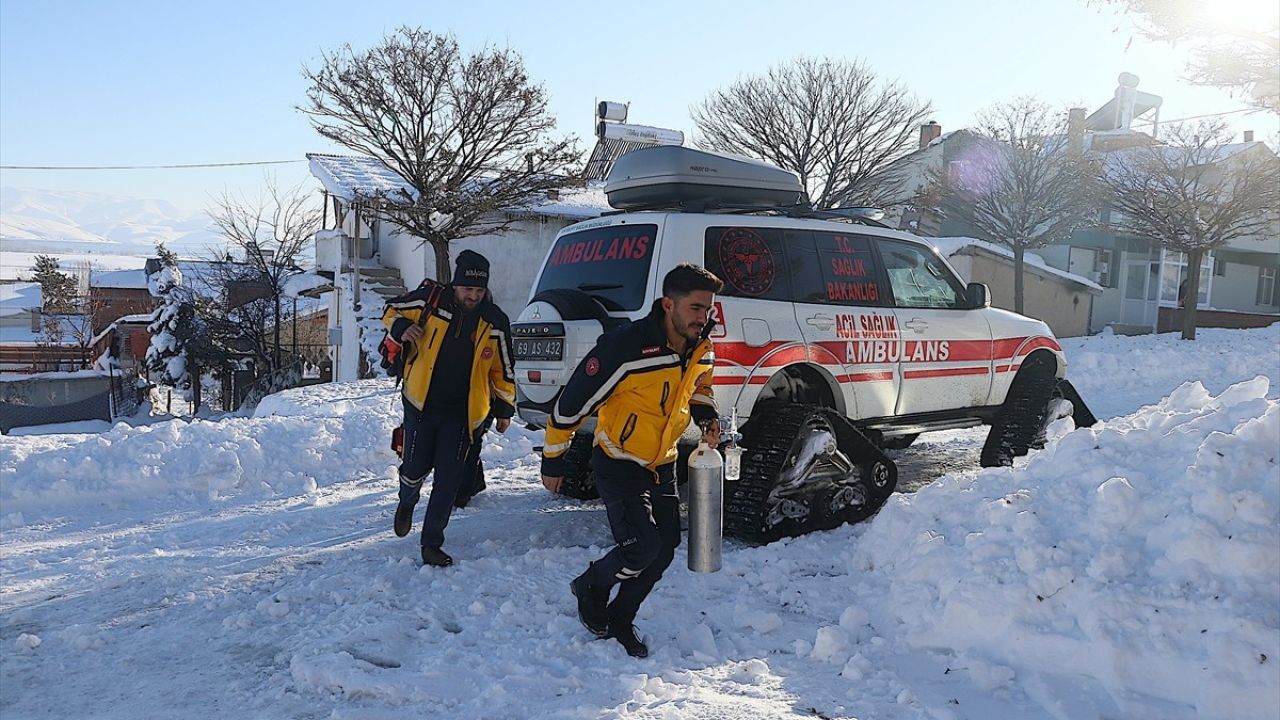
column 19, row 298
column 138, row 319
column 296, row 285
column 1206, row 156
column 351, row 177
column 23, row 335
column 136, row 279
column 949, row 246
column 579, row 203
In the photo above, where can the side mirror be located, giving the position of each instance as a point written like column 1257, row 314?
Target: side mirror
column 979, row 296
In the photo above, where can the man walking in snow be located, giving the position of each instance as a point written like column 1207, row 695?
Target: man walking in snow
column 643, row 381
column 457, row 372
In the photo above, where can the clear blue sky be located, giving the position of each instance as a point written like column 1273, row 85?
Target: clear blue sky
column 133, row 82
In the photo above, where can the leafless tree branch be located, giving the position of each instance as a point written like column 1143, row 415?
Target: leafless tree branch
column 471, row 134
column 1194, row 194
column 1024, row 187
column 836, row 124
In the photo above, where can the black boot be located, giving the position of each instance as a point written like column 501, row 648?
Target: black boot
column 625, row 634
column 404, row 518
column 591, row 605
column 436, row 557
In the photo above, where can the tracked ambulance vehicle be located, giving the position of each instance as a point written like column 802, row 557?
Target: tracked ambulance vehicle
column 836, row 338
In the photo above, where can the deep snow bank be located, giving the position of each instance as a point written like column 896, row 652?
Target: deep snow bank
column 1143, row 554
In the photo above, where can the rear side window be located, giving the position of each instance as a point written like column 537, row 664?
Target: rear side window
column 750, row 261
column 834, row 269
column 610, row 263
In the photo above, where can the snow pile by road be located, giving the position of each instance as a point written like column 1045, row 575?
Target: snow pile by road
column 245, row 567
column 1117, row 374
column 196, row 462
column 1142, row 557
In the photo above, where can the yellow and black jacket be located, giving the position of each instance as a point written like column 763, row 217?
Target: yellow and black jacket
column 642, row 392
column 493, row 388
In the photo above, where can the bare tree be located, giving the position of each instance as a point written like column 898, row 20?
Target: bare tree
column 80, row 324
column 1194, row 194
column 273, row 232
column 1027, row 187
column 1233, row 50
column 835, row 123
column 469, row 134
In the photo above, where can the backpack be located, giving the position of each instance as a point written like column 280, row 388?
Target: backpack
column 390, row 350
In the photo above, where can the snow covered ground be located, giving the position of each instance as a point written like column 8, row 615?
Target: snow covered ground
column 245, row 567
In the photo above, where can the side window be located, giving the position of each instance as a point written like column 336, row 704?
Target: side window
column 918, row 278
column 834, row 269
column 749, row 260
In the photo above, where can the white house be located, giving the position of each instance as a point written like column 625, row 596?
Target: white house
column 357, row 243
column 1139, row 279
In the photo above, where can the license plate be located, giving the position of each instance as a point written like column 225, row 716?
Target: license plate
column 538, row 348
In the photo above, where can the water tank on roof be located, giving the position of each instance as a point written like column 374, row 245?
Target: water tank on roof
column 671, row 176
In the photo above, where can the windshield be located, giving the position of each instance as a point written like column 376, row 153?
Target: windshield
column 610, row 263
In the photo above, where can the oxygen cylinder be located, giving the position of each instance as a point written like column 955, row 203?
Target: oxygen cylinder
column 706, row 508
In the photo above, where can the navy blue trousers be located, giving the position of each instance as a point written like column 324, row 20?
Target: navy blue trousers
column 436, row 443
column 644, row 517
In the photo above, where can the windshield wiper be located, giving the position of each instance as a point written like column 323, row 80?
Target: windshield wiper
column 588, row 287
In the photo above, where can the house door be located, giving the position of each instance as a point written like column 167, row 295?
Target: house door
column 1141, row 285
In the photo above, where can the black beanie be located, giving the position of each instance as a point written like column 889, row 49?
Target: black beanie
column 471, row 270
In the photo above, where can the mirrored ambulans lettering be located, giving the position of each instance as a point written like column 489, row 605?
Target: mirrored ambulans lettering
column 623, row 248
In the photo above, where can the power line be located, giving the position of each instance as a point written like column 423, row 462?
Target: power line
column 1198, row 117
column 146, row 167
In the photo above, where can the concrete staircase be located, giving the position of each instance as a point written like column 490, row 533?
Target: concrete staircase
column 385, row 282
column 377, row 285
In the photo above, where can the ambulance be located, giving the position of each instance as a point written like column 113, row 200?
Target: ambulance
column 835, row 338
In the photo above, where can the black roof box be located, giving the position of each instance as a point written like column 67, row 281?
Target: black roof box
column 674, row 176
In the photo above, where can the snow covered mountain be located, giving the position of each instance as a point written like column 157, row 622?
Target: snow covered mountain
column 59, row 222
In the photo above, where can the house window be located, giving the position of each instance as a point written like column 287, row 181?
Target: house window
column 1106, row 267
column 1267, row 287
column 1175, row 273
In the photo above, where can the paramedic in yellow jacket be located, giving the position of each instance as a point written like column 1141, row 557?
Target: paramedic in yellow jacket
column 643, row 381
column 457, row 372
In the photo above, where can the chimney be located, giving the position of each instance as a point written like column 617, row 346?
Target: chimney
column 929, row 132
column 1075, row 132
column 1248, row 136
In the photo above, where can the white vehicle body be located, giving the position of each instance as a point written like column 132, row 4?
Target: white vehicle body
column 871, row 322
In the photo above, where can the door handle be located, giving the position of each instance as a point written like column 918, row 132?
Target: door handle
column 822, row 322
column 916, row 325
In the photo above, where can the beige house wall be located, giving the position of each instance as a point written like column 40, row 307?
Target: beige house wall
column 1060, row 303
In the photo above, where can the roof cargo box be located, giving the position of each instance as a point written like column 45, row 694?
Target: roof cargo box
column 672, row 176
